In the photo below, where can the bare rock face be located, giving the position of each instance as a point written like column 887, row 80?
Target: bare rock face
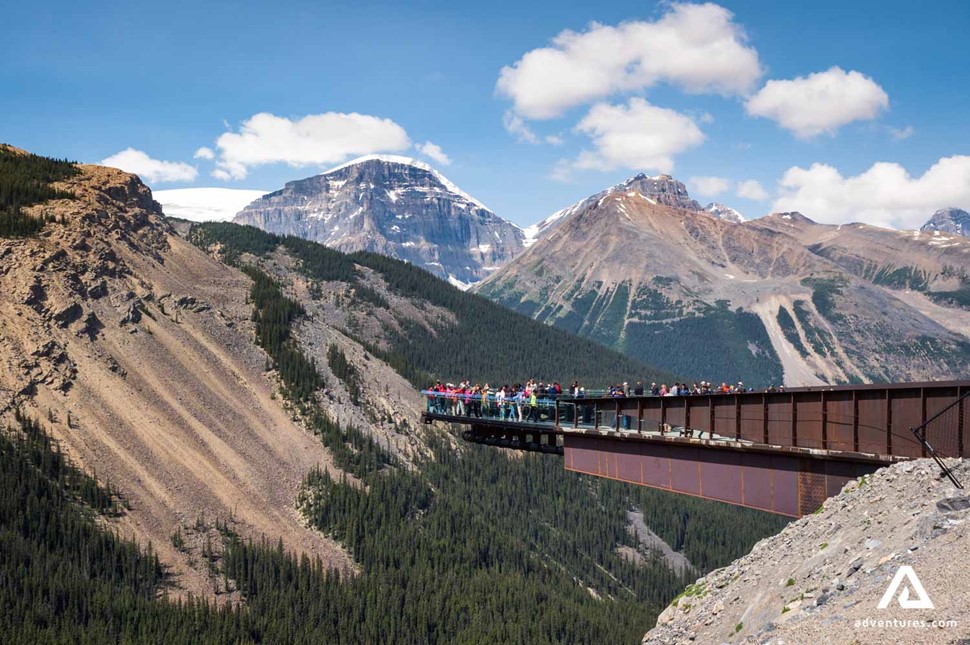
column 823, row 578
column 394, row 206
column 949, row 220
column 664, row 189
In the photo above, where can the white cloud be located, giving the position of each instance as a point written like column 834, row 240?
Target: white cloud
column 562, row 171
column 515, row 125
column 205, row 204
column 696, row 47
column 709, row 186
column 637, row 136
column 434, row 152
column 554, row 139
column 311, row 140
column 204, row 153
column 752, row 189
column 884, row 195
column 150, row 170
column 820, row 102
column 899, row 134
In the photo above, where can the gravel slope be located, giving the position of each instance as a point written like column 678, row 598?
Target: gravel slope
column 822, row 578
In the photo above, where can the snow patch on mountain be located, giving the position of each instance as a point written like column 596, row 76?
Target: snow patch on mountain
column 409, row 161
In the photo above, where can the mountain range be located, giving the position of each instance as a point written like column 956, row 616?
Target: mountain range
column 641, row 267
column 214, row 411
column 644, row 268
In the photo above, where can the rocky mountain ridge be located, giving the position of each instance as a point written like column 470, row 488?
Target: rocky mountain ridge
column 394, row 206
column 780, row 297
column 662, row 189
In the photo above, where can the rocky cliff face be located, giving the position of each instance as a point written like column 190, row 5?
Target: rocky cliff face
column 778, row 298
column 821, row 580
column 955, row 221
column 396, row 207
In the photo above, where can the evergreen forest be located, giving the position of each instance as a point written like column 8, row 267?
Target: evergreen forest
column 473, row 547
column 24, row 181
column 486, row 343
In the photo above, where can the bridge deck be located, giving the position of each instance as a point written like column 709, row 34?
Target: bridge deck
column 780, row 452
column 527, row 435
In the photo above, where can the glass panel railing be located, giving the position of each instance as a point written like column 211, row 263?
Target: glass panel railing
column 572, row 413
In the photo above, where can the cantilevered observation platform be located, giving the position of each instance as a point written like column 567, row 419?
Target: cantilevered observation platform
column 782, row 452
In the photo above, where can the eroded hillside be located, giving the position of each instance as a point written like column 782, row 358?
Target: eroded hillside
column 136, row 349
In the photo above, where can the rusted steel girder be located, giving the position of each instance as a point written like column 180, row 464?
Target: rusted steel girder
column 783, row 482
column 866, row 418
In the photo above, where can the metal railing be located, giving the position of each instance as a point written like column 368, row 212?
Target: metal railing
column 583, row 413
column 867, row 419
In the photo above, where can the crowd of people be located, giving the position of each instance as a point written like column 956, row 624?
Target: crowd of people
column 519, row 402
column 535, row 400
column 682, row 389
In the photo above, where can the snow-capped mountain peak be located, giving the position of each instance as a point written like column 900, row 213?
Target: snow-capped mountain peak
column 949, row 220
column 395, row 206
column 720, row 211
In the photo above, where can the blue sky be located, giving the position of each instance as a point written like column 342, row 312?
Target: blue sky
column 89, row 80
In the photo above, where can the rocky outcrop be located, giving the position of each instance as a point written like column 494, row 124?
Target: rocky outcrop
column 822, row 579
column 949, row 220
column 394, row 206
column 662, row 189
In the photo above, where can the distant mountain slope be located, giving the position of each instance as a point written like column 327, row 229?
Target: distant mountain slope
column 421, row 325
column 949, row 220
column 778, row 298
column 394, row 206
